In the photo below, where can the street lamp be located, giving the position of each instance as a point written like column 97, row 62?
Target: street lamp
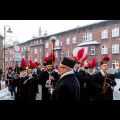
column 8, row 31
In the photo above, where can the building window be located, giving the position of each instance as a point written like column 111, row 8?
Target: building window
column 68, row 53
column 104, row 49
column 62, row 54
column 68, row 41
column 115, row 48
column 31, row 52
column 47, row 55
column 56, row 54
column 35, row 51
column 115, row 32
column 28, row 57
column 28, row 48
column 87, row 37
column 57, row 43
column 40, row 49
column 10, row 51
column 24, row 48
column 46, row 45
column 23, row 56
column 74, row 40
column 61, row 43
column 37, row 42
column 115, row 65
column 104, row 34
column 92, row 50
column 40, row 60
column 35, row 59
column 34, row 42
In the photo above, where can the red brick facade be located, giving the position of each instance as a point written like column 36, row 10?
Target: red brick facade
column 1, row 52
column 39, row 44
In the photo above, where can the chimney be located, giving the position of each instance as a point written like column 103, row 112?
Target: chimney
column 33, row 36
column 45, row 34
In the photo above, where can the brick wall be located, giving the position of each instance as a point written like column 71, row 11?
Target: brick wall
column 95, row 29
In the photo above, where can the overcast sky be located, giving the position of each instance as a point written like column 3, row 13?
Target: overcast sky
column 24, row 30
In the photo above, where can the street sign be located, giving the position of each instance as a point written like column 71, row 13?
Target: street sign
column 16, row 56
column 17, row 48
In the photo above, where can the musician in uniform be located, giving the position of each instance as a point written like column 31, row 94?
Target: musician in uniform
column 31, row 83
column 45, row 79
column 19, row 80
column 83, row 80
column 89, row 87
column 67, row 88
column 102, row 82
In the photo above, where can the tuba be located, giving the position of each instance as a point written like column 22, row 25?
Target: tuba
column 105, row 84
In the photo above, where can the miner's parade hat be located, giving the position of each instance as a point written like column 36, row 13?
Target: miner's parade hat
column 44, row 64
column 23, row 65
column 30, row 64
column 68, row 62
column 105, row 60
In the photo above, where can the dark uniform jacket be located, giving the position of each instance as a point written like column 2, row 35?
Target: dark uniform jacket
column 84, row 81
column 31, row 86
column 21, row 93
column 97, row 83
column 67, row 88
column 89, row 87
column 42, row 81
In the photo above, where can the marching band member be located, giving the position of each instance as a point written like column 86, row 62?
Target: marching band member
column 90, row 74
column 31, row 82
column 19, row 80
column 102, row 83
column 67, row 88
column 46, row 77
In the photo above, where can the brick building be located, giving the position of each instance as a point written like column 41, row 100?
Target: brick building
column 1, row 52
column 100, row 38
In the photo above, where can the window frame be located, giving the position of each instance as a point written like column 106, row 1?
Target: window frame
column 67, row 43
column 74, row 40
column 92, row 49
column 115, row 32
column 87, row 37
column 115, row 47
column 104, row 49
column 104, row 34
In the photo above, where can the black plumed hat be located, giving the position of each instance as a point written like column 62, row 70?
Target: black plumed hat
column 105, row 60
column 49, row 62
column 68, row 62
column 22, row 68
column 44, row 64
column 30, row 67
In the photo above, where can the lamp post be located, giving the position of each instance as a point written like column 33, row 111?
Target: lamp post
column 53, row 39
column 9, row 31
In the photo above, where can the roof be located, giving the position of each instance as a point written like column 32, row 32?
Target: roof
column 36, row 44
column 88, row 43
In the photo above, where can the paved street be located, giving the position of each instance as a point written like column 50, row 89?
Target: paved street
column 5, row 94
